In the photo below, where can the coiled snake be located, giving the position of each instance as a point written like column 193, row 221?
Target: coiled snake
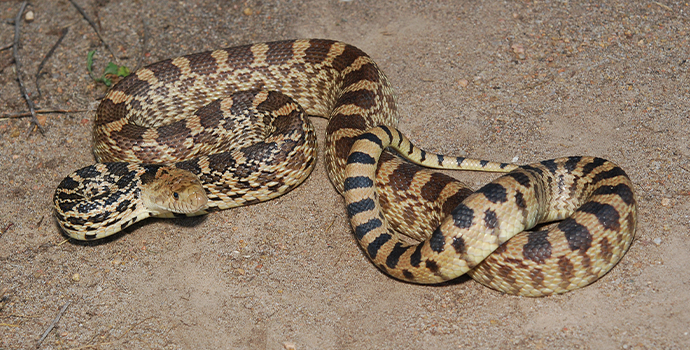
column 166, row 147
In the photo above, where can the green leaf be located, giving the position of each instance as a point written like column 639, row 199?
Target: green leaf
column 89, row 61
column 110, row 69
column 123, row 71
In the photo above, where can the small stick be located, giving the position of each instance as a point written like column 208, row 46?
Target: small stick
column 15, row 54
column 329, row 226
column 21, row 316
column 93, row 25
column 144, row 41
column 90, row 346
column 48, row 55
column 9, row 63
column 2, row 296
column 6, row 47
column 43, row 111
column 663, row 6
column 52, row 325
column 7, row 228
column 132, row 327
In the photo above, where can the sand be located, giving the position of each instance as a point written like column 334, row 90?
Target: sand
column 509, row 81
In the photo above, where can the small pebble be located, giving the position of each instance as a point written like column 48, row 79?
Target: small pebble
column 519, row 51
column 657, row 241
column 76, row 277
column 518, row 48
column 29, row 16
column 666, row 202
column 248, row 11
column 288, row 345
column 463, row 82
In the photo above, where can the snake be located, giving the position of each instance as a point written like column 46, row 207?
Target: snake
column 484, row 233
column 225, row 128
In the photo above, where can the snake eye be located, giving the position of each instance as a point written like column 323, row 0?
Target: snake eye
column 176, row 195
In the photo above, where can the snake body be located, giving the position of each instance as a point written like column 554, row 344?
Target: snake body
column 592, row 196
column 263, row 142
column 163, row 121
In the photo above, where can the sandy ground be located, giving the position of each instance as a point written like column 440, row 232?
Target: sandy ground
column 499, row 80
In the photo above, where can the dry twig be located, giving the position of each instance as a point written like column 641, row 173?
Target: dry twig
column 7, row 228
column 17, row 65
column 93, row 25
column 52, row 325
column 144, row 41
column 3, row 298
column 91, row 346
column 47, row 56
column 42, row 111
column 663, row 6
column 133, row 326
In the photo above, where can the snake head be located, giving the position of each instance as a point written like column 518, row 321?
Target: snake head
column 173, row 190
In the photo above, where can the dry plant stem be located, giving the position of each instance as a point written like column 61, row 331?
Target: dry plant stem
column 3, row 298
column 43, row 111
column 17, row 65
column 95, row 29
column 7, row 228
column 52, row 325
column 47, row 56
column 144, row 41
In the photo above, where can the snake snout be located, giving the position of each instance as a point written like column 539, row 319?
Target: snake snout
column 174, row 191
column 190, row 201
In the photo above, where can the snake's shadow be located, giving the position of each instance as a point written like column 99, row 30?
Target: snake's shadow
column 465, row 278
column 186, row 222
column 457, row 281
